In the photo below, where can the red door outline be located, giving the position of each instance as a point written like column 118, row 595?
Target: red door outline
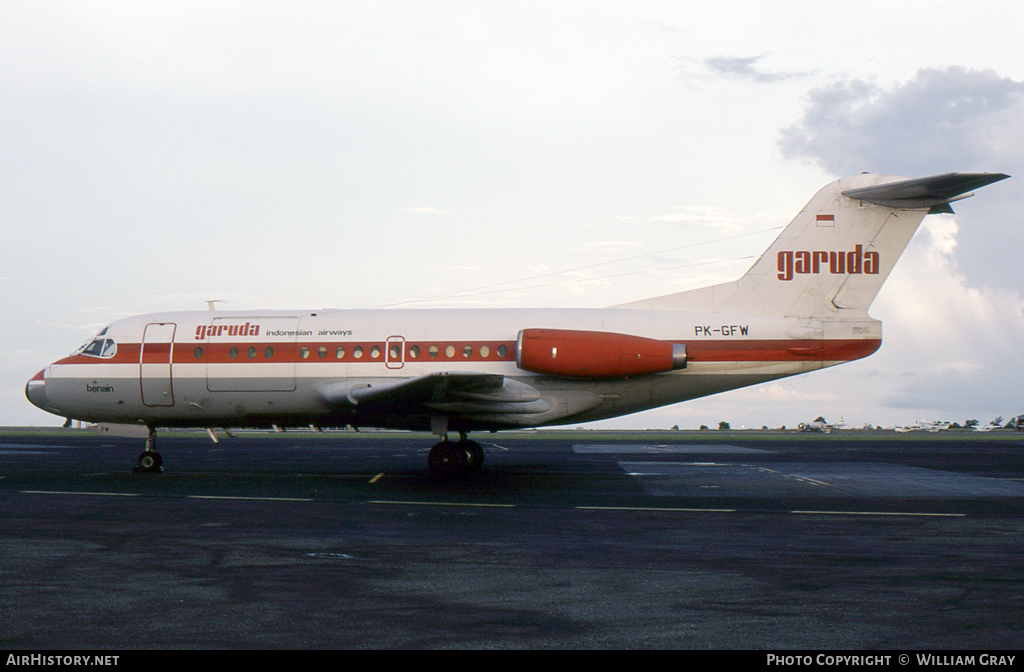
column 394, row 352
column 155, row 361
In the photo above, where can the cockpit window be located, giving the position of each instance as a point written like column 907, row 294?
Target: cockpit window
column 99, row 347
column 109, row 348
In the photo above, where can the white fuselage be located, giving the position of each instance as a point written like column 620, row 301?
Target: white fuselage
column 236, row 369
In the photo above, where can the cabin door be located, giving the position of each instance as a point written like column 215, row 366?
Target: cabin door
column 155, row 359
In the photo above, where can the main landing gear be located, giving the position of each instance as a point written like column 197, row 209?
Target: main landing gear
column 455, row 458
column 150, row 461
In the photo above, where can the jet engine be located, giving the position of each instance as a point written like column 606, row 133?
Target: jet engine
column 595, row 354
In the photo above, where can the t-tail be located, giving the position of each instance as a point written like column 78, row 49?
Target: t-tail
column 832, row 259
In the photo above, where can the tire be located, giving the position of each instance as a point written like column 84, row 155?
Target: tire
column 150, row 462
column 474, row 454
column 446, row 459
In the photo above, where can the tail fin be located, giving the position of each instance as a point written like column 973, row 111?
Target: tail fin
column 835, row 255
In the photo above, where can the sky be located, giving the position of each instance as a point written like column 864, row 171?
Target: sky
column 569, row 154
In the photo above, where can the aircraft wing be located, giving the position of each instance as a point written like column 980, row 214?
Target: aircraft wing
column 935, row 192
column 450, row 392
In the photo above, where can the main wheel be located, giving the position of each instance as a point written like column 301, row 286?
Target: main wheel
column 473, row 452
column 446, row 459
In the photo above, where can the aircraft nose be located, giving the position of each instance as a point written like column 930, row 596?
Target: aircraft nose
column 35, row 390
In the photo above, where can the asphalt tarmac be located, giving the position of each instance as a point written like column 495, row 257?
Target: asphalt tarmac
column 676, row 540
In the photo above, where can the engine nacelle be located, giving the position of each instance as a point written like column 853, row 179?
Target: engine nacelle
column 595, row 354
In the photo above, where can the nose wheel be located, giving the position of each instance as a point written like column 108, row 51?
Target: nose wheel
column 455, row 458
column 150, row 461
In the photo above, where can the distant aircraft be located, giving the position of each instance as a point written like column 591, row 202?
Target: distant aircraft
column 924, row 427
column 818, row 425
column 803, row 306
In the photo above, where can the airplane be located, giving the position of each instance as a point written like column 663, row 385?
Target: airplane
column 932, row 427
column 993, row 424
column 820, row 424
column 802, row 306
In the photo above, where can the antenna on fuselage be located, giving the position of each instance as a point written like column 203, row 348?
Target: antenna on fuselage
column 210, row 303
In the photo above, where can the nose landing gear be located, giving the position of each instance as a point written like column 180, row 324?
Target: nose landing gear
column 150, row 461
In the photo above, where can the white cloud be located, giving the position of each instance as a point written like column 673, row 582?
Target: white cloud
column 746, row 67
column 429, row 210
column 915, row 128
column 613, row 245
column 715, row 220
column 957, row 343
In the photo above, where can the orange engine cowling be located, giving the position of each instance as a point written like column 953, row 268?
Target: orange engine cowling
column 595, row 354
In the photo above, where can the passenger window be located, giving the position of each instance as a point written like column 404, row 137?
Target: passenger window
column 502, row 350
column 233, row 353
column 251, row 352
column 321, row 351
column 414, row 352
column 339, row 352
column 433, row 351
column 268, row 352
column 450, row 351
column 467, row 351
column 304, row 352
column 375, row 352
column 393, row 352
column 198, row 352
column 358, row 352
column 485, row 351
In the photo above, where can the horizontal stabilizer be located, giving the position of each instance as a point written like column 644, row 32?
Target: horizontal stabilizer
column 935, row 192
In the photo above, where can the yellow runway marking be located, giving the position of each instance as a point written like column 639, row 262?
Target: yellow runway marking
column 377, row 477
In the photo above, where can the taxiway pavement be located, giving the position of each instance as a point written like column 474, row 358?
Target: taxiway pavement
column 563, row 540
